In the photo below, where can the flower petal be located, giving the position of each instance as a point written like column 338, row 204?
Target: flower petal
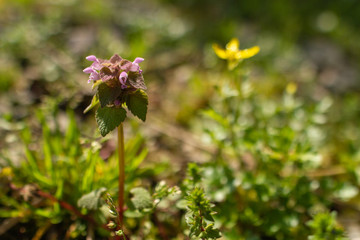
column 91, row 58
column 94, row 76
column 138, row 60
column 134, row 67
column 247, row 53
column 88, row 70
column 219, row 51
column 123, row 76
column 233, row 45
column 96, row 65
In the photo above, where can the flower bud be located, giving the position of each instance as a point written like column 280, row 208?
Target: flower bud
column 119, row 233
column 111, row 225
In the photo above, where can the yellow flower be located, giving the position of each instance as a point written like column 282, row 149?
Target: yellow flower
column 291, row 88
column 233, row 54
column 6, row 172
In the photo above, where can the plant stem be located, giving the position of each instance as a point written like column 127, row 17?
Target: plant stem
column 121, row 153
column 70, row 208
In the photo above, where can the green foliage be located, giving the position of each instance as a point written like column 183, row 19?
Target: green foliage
column 92, row 200
column 324, row 226
column 56, row 172
column 142, row 203
column 94, row 102
column 199, row 214
column 194, row 174
column 271, row 159
column 112, row 209
column 199, row 210
column 261, row 177
column 61, row 171
column 109, row 118
column 162, row 191
column 141, row 198
column 137, row 103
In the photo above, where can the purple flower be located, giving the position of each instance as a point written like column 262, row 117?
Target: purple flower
column 122, row 78
column 138, row 60
column 94, row 75
column 136, row 64
column 113, row 70
column 91, row 58
column 96, row 63
column 88, row 70
column 94, row 68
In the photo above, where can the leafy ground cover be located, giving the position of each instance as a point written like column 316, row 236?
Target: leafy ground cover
column 232, row 148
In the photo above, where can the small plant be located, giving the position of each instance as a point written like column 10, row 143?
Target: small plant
column 118, row 83
column 199, row 209
column 324, row 226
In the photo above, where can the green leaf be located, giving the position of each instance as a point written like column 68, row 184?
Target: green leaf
column 94, row 102
column 96, row 83
column 109, row 118
column 194, row 173
column 137, row 103
column 133, row 214
column 92, row 200
column 107, row 95
column 207, row 216
column 141, row 198
column 212, row 233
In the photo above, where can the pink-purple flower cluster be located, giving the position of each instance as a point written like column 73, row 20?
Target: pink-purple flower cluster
column 93, row 69
column 116, row 68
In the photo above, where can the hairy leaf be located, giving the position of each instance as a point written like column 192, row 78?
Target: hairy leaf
column 141, row 198
column 136, row 80
column 137, row 103
column 109, row 118
column 92, row 200
column 115, row 58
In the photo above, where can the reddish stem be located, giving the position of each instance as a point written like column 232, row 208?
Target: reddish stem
column 70, row 208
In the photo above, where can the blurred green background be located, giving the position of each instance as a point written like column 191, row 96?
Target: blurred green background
column 313, row 44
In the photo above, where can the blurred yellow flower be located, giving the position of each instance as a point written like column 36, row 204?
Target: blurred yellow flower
column 233, row 54
column 291, row 88
column 6, row 172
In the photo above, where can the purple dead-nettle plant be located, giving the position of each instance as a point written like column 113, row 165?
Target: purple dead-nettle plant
column 118, row 84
